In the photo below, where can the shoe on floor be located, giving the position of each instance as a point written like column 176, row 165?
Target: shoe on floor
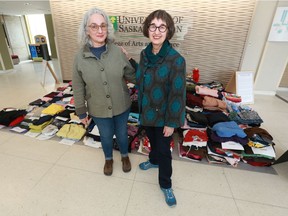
column 169, row 197
column 126, row 165
column 108, row 167
column 147, row 165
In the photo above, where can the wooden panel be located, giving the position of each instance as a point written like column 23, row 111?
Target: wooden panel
column 213, row 33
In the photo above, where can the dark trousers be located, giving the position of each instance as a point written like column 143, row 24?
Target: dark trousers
column 160, row 154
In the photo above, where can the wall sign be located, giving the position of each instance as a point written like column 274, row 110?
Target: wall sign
column 244, row 86
column 241, row 83
column 279, row 28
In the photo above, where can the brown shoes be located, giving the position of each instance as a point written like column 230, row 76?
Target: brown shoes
column 126, row 165
column 108, row 167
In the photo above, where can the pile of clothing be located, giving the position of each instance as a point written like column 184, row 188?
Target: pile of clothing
column 220, row 129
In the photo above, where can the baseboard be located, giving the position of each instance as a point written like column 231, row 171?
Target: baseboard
column 272, row 93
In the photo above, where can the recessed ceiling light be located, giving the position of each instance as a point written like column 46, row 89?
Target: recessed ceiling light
column 27, row 3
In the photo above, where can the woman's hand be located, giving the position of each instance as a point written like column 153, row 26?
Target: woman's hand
column 85, row 121
column 168, row 131
column 125, row 52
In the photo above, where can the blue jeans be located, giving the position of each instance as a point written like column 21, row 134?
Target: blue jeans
column 107, row 128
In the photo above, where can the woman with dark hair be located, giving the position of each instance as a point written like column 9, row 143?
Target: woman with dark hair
column 99, row 84
column 161, row 79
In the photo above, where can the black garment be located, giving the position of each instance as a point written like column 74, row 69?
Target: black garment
column 214, row 118
column 6, row 117
column 55, row 99
column 42, row 120
column 37, row 102
column 160, row 154
column 65, row 113
column 196, row 117
column 59, row 123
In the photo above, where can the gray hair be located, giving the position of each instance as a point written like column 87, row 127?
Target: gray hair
column 83, row 38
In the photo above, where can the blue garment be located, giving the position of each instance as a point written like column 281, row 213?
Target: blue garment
column 228, row 129
column 97, row 51
column 107, row 128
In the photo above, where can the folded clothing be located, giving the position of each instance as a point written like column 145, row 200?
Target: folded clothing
column 211, row 103
column 206, row 91
column 196, row 117
column 196, row 137
column 40, row 127
column 214, row 118
column 228, row 129
column 232, row 97
column 53, row 109
column 42, row 120
column 251, row 132
column 8, row 116
column 50, row 130
column 213, row 136
column 72, row 131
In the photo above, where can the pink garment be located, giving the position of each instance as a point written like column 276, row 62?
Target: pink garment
column 46, row 99
column 211, row 103
column 206, row 91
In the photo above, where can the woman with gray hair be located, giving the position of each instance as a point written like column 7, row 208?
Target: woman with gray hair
column 100, row 73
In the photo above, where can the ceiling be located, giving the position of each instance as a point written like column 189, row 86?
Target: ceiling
column 24, row 7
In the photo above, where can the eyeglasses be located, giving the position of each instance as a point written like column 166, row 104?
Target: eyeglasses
column 94, row 27
column 161, row 28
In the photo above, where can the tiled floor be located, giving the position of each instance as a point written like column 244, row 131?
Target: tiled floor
column 48, row 178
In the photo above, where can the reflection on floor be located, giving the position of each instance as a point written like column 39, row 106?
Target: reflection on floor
column 282, row 93
column 49, row 178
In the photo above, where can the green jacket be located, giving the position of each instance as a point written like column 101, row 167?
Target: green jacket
column 99, row 85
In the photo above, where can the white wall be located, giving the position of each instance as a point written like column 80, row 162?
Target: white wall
column 267, row 59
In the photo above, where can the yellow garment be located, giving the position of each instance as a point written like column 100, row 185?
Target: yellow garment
column 255, row 144
column 39, row 128
column 73, row 116
column 71, row 131
column 53, row 109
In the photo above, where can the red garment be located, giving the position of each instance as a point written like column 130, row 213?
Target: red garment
column 195, row 137
column 147, row 146
column 189, row 153
column 192, row 100
column 16, row 121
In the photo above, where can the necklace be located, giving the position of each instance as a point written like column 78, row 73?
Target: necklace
column 155, row 52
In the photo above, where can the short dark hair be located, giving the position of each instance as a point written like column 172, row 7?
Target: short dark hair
column 163, row 15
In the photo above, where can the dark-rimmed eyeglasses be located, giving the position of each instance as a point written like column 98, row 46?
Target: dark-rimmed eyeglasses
column 161, row 28
column 94, row 27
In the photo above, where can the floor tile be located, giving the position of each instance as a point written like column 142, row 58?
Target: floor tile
column 92, row 159
column 18, row 177
column 261, row 188
column 24, row 84
column 5, row 135
column 282, row 93
column 282, row 170
column 200, row 178
column 148, row 199
column 65, row 192
column 31, row 148
column 256, row 209
column 148, row 176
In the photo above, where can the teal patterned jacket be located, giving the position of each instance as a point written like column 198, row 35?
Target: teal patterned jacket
column 161, row 81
